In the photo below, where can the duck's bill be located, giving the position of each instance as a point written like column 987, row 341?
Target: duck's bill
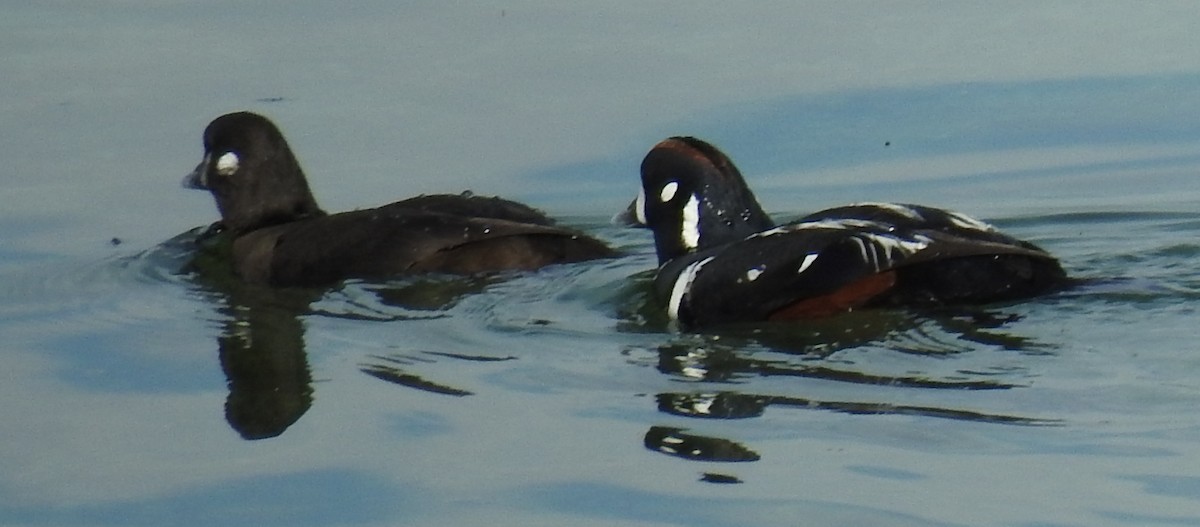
column 196, row 179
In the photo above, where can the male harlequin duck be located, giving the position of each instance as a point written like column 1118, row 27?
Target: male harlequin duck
column 282, row 238
column 722, row 259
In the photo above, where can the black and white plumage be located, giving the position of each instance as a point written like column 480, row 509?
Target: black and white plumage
column 723, row 260
column 280, row 237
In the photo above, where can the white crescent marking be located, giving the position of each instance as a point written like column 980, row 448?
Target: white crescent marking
column 639, row 207
column 683, row 283
column 808, row 260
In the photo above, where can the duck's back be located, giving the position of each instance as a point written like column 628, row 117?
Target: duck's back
column 394, row 240
column 826, row 264
column 469, row 205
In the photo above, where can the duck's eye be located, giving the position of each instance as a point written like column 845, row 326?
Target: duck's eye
column 227, row 164
column 668, row 191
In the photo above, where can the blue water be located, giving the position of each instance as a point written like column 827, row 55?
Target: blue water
column 144, row 388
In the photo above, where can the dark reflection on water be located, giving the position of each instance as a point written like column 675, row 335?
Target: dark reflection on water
column 734, row 405
column 261, row 344
column 712, row 477
column 816, row 350
column 396, row 369
column 968, row 371
column 411, row 298
column 813, row 348
column 674, row 442
column 723, row 363
column 262, row 354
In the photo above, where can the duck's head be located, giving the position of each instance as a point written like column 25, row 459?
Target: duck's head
column 693, row 198
column 252, row 173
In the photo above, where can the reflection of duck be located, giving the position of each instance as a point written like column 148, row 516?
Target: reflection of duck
column 724, row 361
column 733, row 358
column 723, row 260
column 810, row 348
column 280, row 237
column 734, row 405
column 262, row 354
column 261, row 345
column 673, row 442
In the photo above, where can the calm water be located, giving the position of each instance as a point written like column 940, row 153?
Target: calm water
column 145, row 388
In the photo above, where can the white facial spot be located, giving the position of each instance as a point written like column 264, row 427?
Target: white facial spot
column 807, row 261
column 668, row 191
column 690, row 231
column 227, row 164
column 639, row 207
column 753, row 273
column 683, row 283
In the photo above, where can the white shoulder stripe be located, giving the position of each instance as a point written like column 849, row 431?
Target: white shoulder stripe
column 683, row 283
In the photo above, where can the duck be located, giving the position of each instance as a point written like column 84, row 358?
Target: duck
column 723, row 260
column 282, row 238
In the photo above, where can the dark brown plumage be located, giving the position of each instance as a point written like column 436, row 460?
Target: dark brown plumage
column 282, row 238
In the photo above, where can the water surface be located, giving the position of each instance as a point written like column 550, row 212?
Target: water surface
column 144, row 388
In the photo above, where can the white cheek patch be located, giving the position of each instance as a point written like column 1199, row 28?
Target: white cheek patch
column 639, row 207
column 227, row 164
column 690, row 231
column 668, row 191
